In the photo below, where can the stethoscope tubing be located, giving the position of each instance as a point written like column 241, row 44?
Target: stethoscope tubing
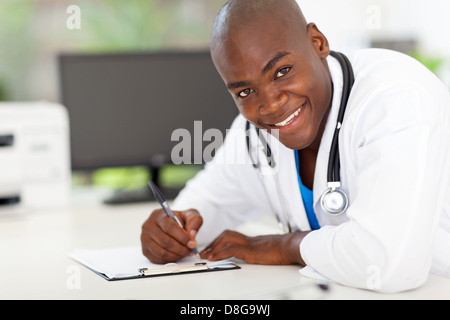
column 334, row 165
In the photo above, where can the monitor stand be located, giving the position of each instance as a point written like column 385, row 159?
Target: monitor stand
column 143, row 194
column 7, row 201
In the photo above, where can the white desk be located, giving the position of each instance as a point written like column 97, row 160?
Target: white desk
column 34, row 264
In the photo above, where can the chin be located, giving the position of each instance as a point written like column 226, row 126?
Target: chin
column 296, row 142
column 294, row 145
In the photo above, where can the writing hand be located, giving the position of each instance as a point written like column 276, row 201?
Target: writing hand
column 164, row 241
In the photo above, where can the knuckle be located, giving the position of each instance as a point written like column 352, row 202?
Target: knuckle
column 228, row 234
column 166, row 242
column 191, row 213
column 146, row 224
column 194, row 215
column 151, row 220
column 167, row 225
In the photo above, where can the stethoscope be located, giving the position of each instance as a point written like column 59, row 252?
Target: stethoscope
column 334, row 200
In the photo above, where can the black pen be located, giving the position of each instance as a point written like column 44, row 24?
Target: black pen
column 162, row 201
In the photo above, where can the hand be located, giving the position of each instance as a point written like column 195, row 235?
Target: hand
column 270, row 249
column 164, row 241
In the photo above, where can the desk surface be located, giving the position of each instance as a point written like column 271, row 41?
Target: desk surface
column 34, row 264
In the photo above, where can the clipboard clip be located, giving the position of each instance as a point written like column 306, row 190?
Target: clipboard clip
column 172, row 268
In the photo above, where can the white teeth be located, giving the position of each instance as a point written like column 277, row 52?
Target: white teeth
column 289, row 119
column 285, row 122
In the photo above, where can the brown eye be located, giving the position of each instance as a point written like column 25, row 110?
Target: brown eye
column 282, row 72
column 245, row 93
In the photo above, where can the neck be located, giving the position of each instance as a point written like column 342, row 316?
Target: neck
column 308, row 156
column 314, row 146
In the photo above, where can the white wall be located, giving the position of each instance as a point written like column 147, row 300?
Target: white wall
column 352, row 23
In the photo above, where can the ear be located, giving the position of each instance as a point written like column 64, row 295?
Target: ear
column 318, row 40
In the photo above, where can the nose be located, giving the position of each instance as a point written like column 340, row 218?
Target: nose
column 271, row 100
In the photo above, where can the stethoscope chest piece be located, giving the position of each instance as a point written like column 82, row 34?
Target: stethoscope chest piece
column 333, row 200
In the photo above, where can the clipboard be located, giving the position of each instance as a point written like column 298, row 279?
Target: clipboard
column 129, row 263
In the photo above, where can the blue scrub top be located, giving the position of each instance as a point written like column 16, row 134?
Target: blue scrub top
column 308, row 199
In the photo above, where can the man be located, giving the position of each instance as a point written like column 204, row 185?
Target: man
column 394, row 155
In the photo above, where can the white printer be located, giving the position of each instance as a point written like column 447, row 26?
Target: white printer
column 34, row 154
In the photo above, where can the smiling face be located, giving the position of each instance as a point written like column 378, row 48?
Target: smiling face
column 276, row 71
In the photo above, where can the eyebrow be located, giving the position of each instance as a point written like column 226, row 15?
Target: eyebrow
column 273, row 61
column 269, row 65
column 238, row 84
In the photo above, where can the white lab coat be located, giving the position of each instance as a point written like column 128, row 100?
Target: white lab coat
column 395, row 168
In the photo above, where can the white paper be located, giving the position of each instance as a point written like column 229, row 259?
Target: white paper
column 125, row 262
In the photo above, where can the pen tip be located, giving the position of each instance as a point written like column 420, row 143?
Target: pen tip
column 198, row 256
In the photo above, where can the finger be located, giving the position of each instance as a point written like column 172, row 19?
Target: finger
column 226, row 238
column 228, row 251
column 192, row 221
column 171, row 227
column 160, row 245
column 170, row 243
column 160, row 234
column 209, row 248
column 157, row 254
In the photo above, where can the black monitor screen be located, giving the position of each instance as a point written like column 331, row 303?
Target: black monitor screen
column 124, row 108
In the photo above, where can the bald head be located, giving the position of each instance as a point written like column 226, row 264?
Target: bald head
column 235, row 14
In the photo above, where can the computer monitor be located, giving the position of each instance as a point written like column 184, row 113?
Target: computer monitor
column 123, row 108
